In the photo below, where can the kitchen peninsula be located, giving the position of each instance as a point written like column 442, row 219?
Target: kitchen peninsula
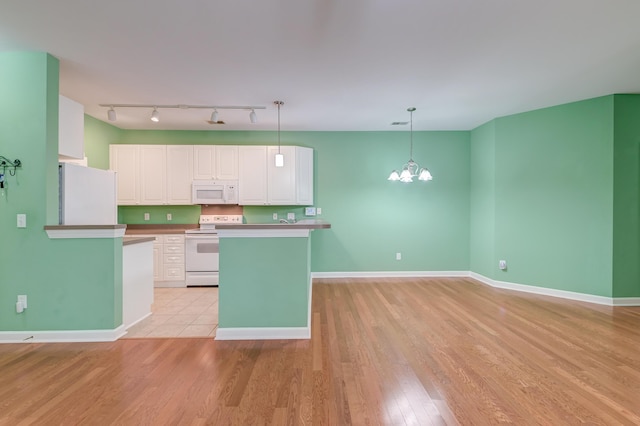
column 265, row 280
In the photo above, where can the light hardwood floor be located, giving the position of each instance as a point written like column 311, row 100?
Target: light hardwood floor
column 383, row 351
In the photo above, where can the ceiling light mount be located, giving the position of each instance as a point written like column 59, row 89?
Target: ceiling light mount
column 155, row 115
column 411, row 168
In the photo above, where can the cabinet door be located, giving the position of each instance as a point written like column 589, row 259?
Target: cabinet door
column 281, row 180
column 204, row 161
column 123, row 159
column 252, row 176
column 179, row 173
column 304, row 176
column 226, row 164
column 70, row 128
column 153, row 177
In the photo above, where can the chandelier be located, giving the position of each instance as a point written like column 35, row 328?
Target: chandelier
column 411, row 169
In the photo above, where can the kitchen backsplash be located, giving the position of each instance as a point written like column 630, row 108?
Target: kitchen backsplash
column 135, row 215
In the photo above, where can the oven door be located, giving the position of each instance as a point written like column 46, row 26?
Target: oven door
column 202, row 253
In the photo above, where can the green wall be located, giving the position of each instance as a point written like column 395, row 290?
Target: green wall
column 70, row 284
column 482, row 257
column 372, row 218
column 555, row 193
column 626, row 196
column 277, row 280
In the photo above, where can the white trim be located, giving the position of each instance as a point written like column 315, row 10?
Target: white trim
column 263, row 233
column 582, row 297
column 62, row 336
column 563, row 294
column 85, row 233
column 389, row 274
column 626, row 301
column 263, row 333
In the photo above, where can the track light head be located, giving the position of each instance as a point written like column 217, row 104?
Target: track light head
column 214, row 116
column 111, row 114
column 253, row 117
column 155, row 115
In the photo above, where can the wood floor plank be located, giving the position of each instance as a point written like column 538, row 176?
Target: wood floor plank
column 383, row 351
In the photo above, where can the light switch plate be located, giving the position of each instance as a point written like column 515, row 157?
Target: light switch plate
column 22, row 220
column 309, row 211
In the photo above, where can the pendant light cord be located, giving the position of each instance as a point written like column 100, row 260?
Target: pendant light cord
column 278, row 127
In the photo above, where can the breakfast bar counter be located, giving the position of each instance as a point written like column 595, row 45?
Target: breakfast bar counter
column 265, row 280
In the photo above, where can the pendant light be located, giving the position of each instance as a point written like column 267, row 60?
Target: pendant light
column 279, row 156
column 411, row 169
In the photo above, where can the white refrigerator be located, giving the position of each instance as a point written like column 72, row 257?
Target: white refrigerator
column 87, row 196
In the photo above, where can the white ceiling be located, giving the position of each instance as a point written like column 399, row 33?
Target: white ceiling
column 337, row 64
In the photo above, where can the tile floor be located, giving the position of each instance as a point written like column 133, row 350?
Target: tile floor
column 180, row 312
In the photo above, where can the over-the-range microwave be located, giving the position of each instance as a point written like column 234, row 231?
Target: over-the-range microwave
column 214, row 192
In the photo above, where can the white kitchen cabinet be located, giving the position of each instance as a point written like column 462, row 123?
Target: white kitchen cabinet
column 304, row 176
column 168, row 260
column 179, row 171
column 218, row 162
column 252, row 177
column 141, row 173
column 173, row 261
column 153, row 174
column 262, row 183
column 124, row 159
column 70, row 128
column 281, row 181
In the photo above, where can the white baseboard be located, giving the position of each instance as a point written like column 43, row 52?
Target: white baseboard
column 262, row 333
column 582, row 297
column 59, row 336
column 389, row 274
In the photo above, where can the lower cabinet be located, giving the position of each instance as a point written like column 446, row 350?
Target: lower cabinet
column 168, row 260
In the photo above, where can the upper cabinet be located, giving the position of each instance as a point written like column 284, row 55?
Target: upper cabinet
column 70, row 128
column 218, row 162
column 180, row 161
column 163, row 174
column 123, row 159
column 262, row 183
column 141, row 173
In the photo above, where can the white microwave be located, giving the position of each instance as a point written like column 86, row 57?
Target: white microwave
column 214, row 192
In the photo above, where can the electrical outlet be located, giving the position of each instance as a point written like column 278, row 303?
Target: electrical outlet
column 319, row 210
column 291, row 216
column 146, row 216
column 169, row 217
column 398, row 256
column 275, row 216
column 22, row 298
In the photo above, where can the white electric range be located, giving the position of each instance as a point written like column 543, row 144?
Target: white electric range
column 202, row 251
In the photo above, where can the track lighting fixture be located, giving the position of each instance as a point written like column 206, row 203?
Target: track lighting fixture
column 279, row 156
column 411, row 169
column 155, row 115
